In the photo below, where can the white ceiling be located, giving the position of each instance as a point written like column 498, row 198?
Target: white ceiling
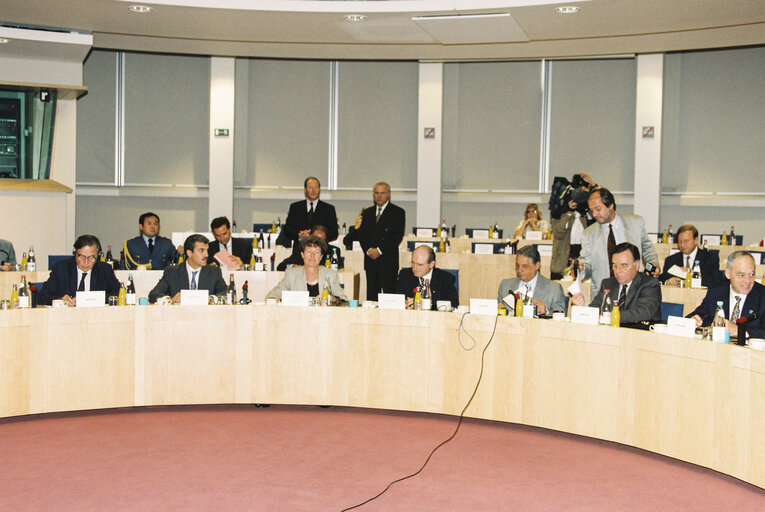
column 317, row 29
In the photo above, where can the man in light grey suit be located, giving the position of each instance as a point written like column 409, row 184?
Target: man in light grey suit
column 594, row 261
column 548, row 296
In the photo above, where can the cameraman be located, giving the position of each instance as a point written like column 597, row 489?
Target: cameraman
column 569, row 217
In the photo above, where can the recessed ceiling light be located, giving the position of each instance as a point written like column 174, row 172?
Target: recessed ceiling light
column 354, row 17
column 4, row 40
column 140, row 9
column 567, row 9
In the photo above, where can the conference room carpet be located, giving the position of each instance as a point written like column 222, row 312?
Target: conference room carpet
column 289, row 458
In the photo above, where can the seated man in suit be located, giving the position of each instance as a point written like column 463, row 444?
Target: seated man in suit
column 548, row 296
column 239, row 248
column 307, row 213
column 7, row 255
column 148, row 249
column 424, row 270
column 689, row 253
column 742, row 296
column 81, row 272
column 192, row 274
column 637, row 295
column 296, row 258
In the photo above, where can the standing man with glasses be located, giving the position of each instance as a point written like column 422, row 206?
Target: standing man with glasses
column 82, row 272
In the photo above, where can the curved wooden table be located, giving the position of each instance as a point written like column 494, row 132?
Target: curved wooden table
column 695, row 401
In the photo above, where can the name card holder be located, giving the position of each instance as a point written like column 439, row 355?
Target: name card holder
column 391, row 301
column 585, row 315
column 483, row 307
column 295, row 298
column 194, row 297
column 679, row 326
column 91, row 299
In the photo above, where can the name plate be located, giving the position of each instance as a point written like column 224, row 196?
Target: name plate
column 295, row 298
column 391, row 301
column 483, row 248
column 711, row 239
column 483, row 307
column 533, row 235
column 91, row 299
column 424, row 233
column 679, row 326
column 544, row 249
column 585, row 315
column 481, row 233
column 194, row 297
column 652, row 237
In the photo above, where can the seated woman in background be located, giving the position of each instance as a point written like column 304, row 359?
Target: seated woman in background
column 532, row 221
column 310, row 277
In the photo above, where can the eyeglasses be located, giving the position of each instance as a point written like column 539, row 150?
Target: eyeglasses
column 621, row 266
column 82, row 257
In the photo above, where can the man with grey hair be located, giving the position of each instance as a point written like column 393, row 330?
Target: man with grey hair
column 741, row 297
column 547, row 296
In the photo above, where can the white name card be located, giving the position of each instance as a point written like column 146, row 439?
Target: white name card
column 652, row 237
column 194, row 297
column 481, row 233
column 757, row 257
column 585, row 315
column 91, row 299
column 391, row 301
column 424, row 233
column 544, row 249
column 711, row 239
column 483, row 307
column 533, row 235
column 679, row 326
column 295, row 298
column 483, row 249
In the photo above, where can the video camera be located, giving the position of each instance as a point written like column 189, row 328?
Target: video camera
column 564, row 191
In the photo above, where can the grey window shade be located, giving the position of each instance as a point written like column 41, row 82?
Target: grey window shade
column 592, row 121
column 491, row 126
column 96, row 113
column 714, row 109
column 167, row 119
column 377, row 124
column 282, row 119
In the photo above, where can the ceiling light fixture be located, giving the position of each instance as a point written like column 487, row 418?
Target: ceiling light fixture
column 567, row 9
column 4, row 40
column 140, row 9
column 354, row 17
column 460, row 16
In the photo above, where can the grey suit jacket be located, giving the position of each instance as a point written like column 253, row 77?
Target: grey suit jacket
column 294, row 280
column 594, row 254
column 548, row 292
column 175, row 279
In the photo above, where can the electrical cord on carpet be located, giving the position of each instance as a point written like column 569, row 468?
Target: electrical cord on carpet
column 459, row 422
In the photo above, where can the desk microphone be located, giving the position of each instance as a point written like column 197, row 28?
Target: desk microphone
column 747, row 319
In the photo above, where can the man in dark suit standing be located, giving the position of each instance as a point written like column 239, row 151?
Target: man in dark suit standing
column 304, row 215
column 689, row 253
column 237, row 247
column 82, row 272
column 741, row 297
column 381, row 231
column 424, row 271
column 193, row 274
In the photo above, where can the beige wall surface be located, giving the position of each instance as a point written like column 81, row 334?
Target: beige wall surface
column 692, row 400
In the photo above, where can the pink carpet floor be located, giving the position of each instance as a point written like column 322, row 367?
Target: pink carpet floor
column 310, row 459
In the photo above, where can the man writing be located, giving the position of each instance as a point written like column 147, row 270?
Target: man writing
column 424, row 272
column 637, row 295
column 741, row 297
column 82, row 272
column 239, row 248
column 304, row 215
column 689, row 253
column 380, row 233
column 548, row 296
column 148, row 249
column 610, row 229
column 192, row 274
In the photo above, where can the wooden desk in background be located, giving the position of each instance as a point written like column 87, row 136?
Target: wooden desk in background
column 697, row 401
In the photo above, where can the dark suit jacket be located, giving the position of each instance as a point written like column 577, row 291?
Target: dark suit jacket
column 441, row 286
column 709, row 262
column 175, row 279
column 385, row 234
column 240, row 248
column 754, row 303
column 297, row 220
column 63, row 281
column 162, row 256
column 643, row 302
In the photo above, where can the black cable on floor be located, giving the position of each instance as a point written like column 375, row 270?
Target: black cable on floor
column 459, row 422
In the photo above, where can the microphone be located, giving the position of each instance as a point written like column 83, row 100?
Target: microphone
column 741, row 324
column 747, row 319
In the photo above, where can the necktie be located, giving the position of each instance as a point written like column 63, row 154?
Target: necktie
column 736, row 309
column 310, row 209
column 422, row 283
column 194, row 280
column 687, row 261
column 151, row 245
column 622, row 296
column 379, row 212
column 81, row 287
column 611, row 245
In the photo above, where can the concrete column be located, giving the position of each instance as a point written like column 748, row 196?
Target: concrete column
column 429, row 149
column 222, row 80
column 648, row 116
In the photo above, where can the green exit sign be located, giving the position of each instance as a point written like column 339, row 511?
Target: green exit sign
column 221, row 132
